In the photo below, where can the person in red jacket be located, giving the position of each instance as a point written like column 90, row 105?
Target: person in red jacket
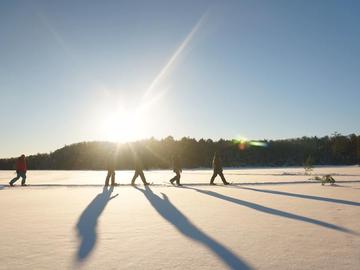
column 21, row 169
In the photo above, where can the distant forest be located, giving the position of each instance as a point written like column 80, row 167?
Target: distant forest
column 157, row 154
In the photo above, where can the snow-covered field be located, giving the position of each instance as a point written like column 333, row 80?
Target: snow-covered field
column 240, row 176
column 269, row 219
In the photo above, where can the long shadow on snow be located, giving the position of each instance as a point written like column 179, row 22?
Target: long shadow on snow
column 86, row 226
column 273, row 211
column 171, row 214
column 303, row 196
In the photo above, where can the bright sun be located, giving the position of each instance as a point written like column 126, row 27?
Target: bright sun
column 125, row 125
column 128, row 123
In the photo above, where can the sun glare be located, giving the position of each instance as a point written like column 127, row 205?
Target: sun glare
column 129, row 124
column 125, row 125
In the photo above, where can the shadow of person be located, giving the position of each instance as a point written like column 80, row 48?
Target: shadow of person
column 303, row 196
column 343, row 186
column 273, row 211
column 172, row 215
column 87, row 223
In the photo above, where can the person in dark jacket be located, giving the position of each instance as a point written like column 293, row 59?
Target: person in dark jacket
column 21, row 169
column 138, row 167
column 111, row 166
column 177, row 169
column 218, row 170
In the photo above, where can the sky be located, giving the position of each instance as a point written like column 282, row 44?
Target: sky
column 73, row 71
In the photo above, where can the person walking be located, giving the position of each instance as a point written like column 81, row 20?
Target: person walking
column 138, row 167
column 111, row 166
column 177, row 169
column 218, row 170
column 21, row 169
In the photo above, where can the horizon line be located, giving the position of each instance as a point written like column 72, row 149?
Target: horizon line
column 239, row 138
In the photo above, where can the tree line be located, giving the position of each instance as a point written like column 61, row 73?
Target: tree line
column 157, row 154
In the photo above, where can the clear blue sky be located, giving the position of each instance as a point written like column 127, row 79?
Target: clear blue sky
column 74, row 71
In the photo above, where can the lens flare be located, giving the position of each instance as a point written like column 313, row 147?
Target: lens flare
column 171, row 62
column 244, row 143
column 258, row 143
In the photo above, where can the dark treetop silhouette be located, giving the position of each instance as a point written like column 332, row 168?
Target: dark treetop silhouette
column 172, row 215
column 337, row 149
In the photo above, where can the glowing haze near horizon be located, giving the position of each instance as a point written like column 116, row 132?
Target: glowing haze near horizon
column 74, row 71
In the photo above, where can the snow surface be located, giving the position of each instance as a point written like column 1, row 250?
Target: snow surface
column 67, row 220
column 160, row 177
